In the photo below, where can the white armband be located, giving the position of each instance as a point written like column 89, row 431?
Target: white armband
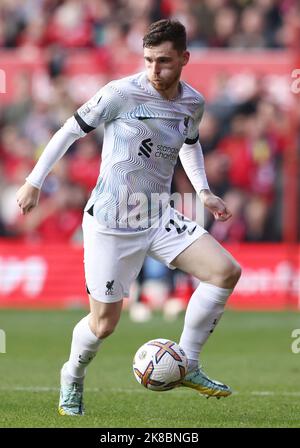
column 192, row 160
column 55, row 149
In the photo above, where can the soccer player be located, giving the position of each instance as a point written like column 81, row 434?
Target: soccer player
column 149, row 119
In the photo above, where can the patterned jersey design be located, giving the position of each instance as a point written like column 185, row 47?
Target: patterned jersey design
column 143, row 133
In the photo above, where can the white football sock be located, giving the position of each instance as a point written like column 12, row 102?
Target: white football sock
column 84, row 348
column 203, row 313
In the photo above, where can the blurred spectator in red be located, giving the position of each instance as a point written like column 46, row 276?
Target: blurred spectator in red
column 69, row 25
column 59, row 216
column 235, row 147
column 16, row 151
column 253, row 148
column 84, row 164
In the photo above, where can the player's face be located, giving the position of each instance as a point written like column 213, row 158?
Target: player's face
column 164, row 65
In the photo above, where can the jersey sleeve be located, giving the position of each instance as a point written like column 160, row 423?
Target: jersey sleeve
column 55, row 149
column 104, row 106
column 193, row 133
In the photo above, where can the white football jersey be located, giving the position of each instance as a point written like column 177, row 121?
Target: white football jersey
column 143, row 133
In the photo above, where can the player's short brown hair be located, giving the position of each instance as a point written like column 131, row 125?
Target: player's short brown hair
column 166, row 30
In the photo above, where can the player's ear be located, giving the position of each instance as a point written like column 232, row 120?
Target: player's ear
column 185, row 57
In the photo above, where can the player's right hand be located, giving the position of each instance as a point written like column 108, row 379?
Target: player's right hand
column 27, row 197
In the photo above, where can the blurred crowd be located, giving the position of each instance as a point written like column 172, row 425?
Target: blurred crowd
column 96, row 23
column 243, row 138
column 243, row 144
column 243, row 141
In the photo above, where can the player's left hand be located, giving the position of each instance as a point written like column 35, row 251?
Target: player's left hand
column 215, row 205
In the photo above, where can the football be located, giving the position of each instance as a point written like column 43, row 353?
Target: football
column 160, row 364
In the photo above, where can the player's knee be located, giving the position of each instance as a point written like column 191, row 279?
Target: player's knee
column 231, row 274
column 104, row 328
column 228, row 273
column 103, row 331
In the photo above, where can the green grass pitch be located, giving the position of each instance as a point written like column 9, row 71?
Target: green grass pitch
column 250, row 351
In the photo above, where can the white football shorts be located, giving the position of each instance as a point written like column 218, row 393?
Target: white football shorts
column 112, row 261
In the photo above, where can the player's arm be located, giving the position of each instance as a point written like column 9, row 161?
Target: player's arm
column 28, row 195
column 192, row 160
column 103, row 106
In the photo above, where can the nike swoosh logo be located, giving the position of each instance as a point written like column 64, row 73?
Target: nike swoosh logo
column 190, row 232
column 144, row 118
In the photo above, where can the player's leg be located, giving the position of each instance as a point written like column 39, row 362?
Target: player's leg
column 208, row 261
column 187, row 246
column 218, row 273
column 111, row 263
column 87, row 337
column 104, row 317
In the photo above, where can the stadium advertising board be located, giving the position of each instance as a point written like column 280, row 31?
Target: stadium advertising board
column 51, row 276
